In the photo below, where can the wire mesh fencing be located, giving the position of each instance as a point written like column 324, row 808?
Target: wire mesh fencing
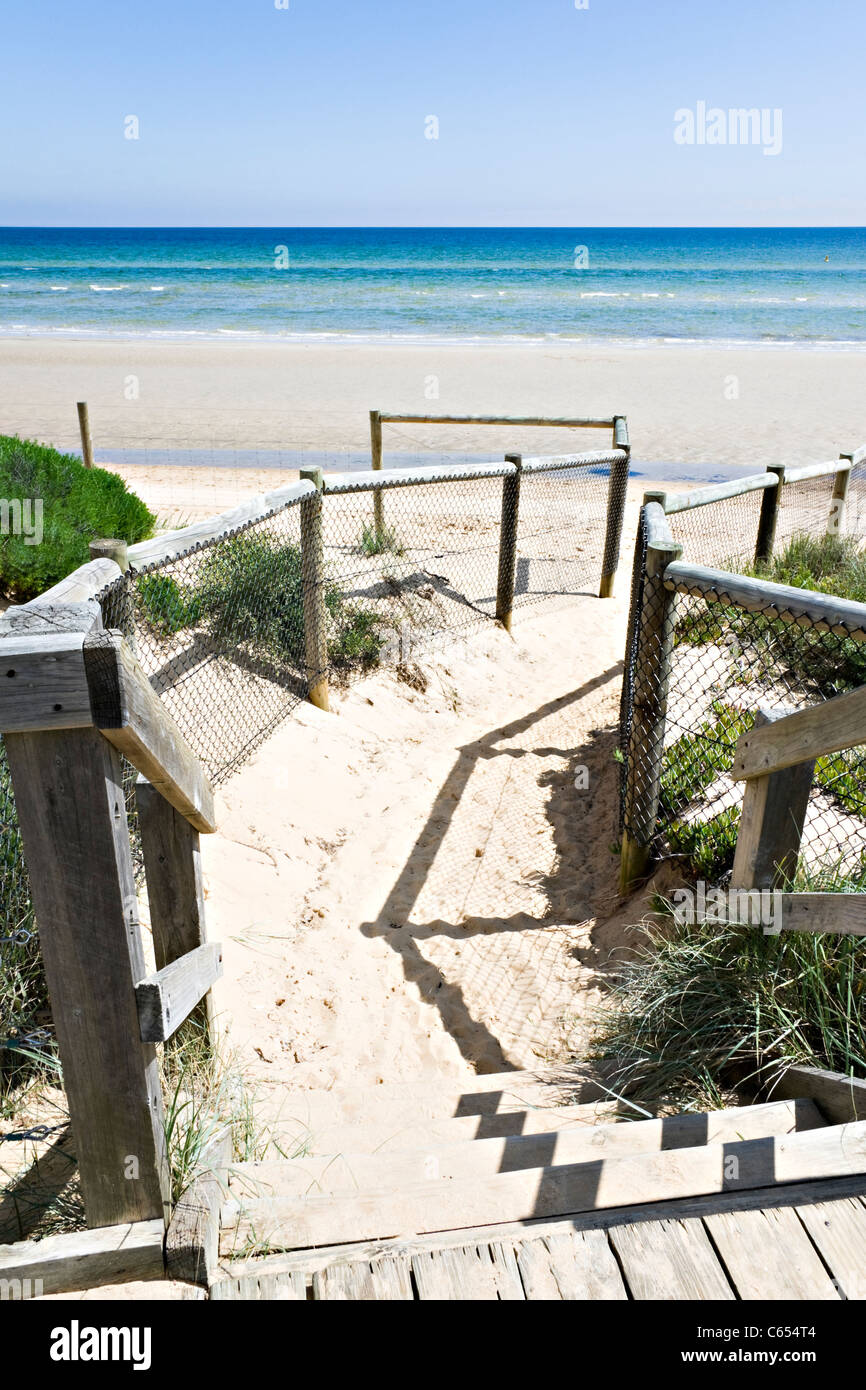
column 805, row 507
column 721, row 535
column 700, row 665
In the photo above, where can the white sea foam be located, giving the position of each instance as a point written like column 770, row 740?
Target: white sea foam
column 107, row 289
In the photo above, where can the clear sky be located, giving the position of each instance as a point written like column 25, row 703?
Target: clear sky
column 316, row 114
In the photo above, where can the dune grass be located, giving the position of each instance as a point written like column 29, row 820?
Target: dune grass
column 699, row 1008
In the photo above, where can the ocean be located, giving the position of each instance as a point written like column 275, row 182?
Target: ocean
column 794, row 286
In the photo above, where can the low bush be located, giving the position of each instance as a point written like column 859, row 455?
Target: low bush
column 77, row 504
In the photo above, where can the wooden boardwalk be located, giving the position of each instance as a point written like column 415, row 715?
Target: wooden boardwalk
column 804, row 1242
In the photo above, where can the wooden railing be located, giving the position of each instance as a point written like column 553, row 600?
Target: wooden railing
column 73, row 698
column 772, row 485
column 776, row 759
column 619, row 470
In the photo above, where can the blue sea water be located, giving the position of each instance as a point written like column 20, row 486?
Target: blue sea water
column 795, row 286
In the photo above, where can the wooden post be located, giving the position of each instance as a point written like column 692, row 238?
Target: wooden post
column 84, row 427
column 175, row 892
column 315, row 615
column 376, row 463
column 836, row 519
column 616, row 494
column 103, row 549
column 770, row 500
column 771, row 825
column 651, row 680
column 508, row 542
column 69, row 797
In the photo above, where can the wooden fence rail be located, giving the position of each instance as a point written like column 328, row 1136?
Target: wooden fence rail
column 619, row 467
column 73, row 700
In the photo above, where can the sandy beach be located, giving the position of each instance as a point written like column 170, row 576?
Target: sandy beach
column 684, row 403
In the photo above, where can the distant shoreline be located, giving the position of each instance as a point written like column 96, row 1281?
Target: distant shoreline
column 347, row 340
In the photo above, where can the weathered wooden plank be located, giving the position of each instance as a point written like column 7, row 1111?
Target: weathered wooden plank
column 175, row 888
column 469, row 1273
column 368, row 1281
column 43, row 684
column 583, row 1266
column 289, row 1287
column 715, row 492
column 69, row 796
column 539, row 1281
column 165, row 999
column 506, row 1273
column 771, row 825
column 768, row 1255
column 840, row 1098
column 173, row 543
column 670, row 1260
column 585, row 422
column 822, row 612
column 131, row 716
column 343, row 1171
column 136, row 1291
column 840, row 914
column 192, row 1239
column 787, row 1194
column 364, row 480
column 813, row 470
column 293, row 1222
column 838, row 1230
column 87, row 1259
column 803, row 736
column 172, row 864
column 82, row 584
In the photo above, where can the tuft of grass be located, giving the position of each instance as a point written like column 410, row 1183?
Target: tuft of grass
column 699, row 1008
column 375, row 542
column 206, row 1100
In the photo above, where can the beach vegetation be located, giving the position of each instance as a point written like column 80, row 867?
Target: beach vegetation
column 75, row 505
column 380, row 542
column 699, row 1009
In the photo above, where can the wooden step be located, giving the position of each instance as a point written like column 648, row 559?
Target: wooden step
column 356, row 1136
column 344, row 1173
column 492, row 1094
column 138, row 1291
column 439, row 1205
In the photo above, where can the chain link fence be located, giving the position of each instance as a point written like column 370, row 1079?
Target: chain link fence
column 722, row 534
column 700, row 663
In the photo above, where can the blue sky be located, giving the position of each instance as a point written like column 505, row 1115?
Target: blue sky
column 315, row 114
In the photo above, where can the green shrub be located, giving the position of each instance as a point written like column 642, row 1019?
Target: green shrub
column 78, row 504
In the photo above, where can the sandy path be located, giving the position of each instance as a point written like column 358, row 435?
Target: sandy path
column 408, row 887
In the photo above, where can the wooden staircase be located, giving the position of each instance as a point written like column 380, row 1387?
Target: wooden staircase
column 518, row 1147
